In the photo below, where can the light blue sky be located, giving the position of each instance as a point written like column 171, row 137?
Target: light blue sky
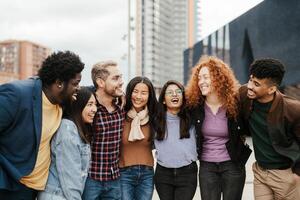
column 92, row 28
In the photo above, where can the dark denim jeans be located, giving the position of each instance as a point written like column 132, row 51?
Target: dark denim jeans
column 176, row 183
column 24, row 193
column 137, row 182
column 225, row 178
column 102, row 190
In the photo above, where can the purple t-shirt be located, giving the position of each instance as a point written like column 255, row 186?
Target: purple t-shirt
column 215, row 133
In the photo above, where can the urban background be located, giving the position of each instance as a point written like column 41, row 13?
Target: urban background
column 160, row 39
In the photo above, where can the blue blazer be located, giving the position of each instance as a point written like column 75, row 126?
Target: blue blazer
column 20, row 130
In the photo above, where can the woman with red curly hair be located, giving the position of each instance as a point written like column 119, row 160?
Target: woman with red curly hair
column 212, row 99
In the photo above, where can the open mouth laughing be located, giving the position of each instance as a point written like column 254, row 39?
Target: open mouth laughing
column 74, row 96
column 175, row 100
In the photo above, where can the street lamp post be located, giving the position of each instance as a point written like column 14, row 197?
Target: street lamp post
column 129, row 42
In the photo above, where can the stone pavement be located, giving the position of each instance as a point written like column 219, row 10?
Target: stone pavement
column 248, row 189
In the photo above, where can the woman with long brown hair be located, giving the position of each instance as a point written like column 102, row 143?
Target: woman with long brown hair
column 212, row 98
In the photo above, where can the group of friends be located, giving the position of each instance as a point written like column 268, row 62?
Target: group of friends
column 65, row 142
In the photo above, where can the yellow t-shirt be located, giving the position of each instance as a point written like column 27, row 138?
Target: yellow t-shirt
column 52, row 115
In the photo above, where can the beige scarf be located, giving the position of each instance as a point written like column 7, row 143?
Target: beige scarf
column 138, row 119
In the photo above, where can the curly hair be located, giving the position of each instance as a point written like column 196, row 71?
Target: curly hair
column 268, row 68
column 223, row 82
column 61, row 66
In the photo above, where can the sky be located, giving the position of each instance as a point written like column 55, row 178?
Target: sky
column 215, row 13
column 93, row 29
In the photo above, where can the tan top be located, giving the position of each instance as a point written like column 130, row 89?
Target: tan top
column 138, row 152
column 50, row 122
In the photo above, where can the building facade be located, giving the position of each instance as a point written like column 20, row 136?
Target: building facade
column 216, row 44
column 164, row 28
column 20, row 59
column 270, row 29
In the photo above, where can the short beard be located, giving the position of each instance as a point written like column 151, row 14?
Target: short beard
column 112, row 93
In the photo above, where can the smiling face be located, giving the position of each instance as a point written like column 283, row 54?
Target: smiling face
column 173, row 98
column 68, row 90
column 260, row 89
column 113, row 83
column 89, row 110
column 140, row 96
column 204, row 81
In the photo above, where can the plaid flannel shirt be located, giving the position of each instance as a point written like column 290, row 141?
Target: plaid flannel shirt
column 105, row 146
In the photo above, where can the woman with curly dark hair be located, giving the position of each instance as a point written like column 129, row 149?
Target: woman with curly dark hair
column 212, row 98
column 175, row 143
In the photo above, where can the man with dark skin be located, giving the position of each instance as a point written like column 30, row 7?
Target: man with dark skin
column 30, row 113
column 273, row 120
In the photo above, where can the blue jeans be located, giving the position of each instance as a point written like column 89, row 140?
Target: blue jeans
column 223, row 177
column 102, row 190
column 137, row 182
column 49, row 196
column 176, row 183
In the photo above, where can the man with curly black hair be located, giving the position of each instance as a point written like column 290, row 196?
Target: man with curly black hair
column 274, row 123
column 30, row 113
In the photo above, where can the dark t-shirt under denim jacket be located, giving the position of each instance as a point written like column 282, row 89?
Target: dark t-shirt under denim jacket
column 70, row 158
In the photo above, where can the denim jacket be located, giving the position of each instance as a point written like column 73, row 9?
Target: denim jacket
column 70, row 158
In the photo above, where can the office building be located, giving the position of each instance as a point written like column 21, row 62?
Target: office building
column 270, row 29
column 20, row 59
column 164, row 29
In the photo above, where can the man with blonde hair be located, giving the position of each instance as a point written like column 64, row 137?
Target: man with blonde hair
column 103, row 179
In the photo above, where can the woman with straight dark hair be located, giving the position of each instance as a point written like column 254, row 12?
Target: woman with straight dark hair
column 176, row 171
column 70, row 150
column 212, row 97
column 136, row 160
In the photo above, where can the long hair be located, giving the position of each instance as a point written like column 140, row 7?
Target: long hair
column 183, row 114
column 223, row 82
column 151, row 103
column 74, row 110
